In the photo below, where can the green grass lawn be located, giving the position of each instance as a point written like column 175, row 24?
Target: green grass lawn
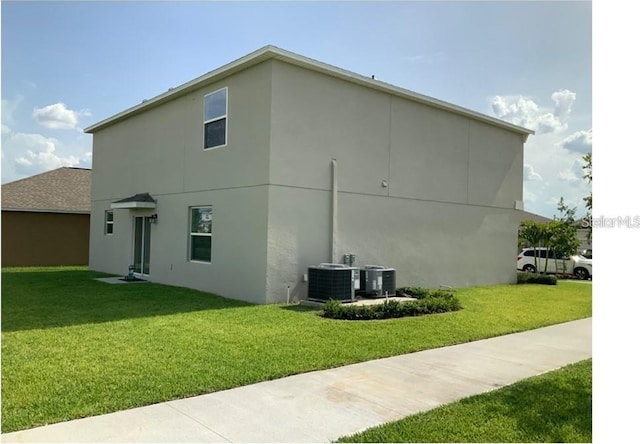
column 553, row 407
column 75, row 347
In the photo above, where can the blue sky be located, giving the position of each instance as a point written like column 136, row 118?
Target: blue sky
column 66, row 65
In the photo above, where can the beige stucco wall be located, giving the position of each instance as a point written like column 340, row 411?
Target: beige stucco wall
column 161, row 152
column 452, row 186
column 299, row 235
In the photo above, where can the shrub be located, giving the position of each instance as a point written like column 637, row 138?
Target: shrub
column 332, row 308
column 536, row 278
column 432, row 301
column 422, row 293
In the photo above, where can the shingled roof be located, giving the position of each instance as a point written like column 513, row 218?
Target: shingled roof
column 65, row 190
column 534, row 217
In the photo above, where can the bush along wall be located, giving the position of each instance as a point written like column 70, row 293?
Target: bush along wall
column 536, row 278
column 427, row 302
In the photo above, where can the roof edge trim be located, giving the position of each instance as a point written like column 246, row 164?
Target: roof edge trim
column 132, row 205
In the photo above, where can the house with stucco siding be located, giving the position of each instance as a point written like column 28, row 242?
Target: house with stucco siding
column 239, row 180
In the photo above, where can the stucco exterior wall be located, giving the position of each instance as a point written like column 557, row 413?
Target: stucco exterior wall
column 425, row 191
column 34, row 238
column 238, row 245
column 161, row 152
column 430, row 243
column 299, row 235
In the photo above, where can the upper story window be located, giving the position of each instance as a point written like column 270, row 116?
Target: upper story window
column 215, row 119
column 108, row 222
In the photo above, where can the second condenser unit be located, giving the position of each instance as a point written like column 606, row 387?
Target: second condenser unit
column 377, row 281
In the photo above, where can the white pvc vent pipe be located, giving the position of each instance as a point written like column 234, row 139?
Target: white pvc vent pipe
column 334, row 210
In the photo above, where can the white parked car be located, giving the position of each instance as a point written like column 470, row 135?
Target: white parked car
column 577, row 265
column 582, row 266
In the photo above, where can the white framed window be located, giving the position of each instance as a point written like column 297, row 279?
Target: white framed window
column 108, row 222
column 200, row 228
column 215, row 119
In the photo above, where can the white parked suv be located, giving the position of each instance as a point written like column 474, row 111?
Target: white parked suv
column 577, row 265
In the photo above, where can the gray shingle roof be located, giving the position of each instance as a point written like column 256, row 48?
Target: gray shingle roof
column 535, row 217
column 65, row 190
column 142, row 197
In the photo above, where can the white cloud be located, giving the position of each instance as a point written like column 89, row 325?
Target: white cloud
column 524, row 111
column 26, row 154
column 40, row 154
column 564, row 101
column 8, row 108
column 529, row 197
column 548, row 123
column 579, row 142
column 561, row 176
column 553, row 200
column 518, row 110
column 552, row 167
column 58, row 116
column 573, row 175
column 530, row 174
column 571, row 202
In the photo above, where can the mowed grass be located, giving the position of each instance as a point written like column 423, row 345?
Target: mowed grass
column 553, row 407
column 75, row 347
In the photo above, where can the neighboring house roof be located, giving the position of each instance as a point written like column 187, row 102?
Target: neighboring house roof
column 534, row 217
column 580, row 223
column 65, row 190
column 272, row 52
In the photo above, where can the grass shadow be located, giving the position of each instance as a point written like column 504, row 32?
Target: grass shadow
column 300, row 308
column 57, row 298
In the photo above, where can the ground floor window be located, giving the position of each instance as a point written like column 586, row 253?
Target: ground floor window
column 108, row 222
column 200, row 224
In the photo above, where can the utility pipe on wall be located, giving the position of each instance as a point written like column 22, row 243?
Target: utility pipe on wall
column 334, row 210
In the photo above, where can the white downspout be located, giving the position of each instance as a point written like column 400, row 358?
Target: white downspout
column 334, row 210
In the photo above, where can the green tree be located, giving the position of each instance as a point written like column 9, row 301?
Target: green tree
column 531, row 233
column 546, row 234
column 564, row 233
column 588, row 174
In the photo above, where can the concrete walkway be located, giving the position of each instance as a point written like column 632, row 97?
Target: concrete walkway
column 321, row 406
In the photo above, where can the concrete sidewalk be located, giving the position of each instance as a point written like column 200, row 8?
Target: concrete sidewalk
column 321, row 406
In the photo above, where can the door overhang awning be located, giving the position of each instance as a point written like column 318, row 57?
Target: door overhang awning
column 142, row 200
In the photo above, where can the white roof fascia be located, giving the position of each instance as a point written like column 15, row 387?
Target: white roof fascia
column 132, row 205
column 269, row 52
